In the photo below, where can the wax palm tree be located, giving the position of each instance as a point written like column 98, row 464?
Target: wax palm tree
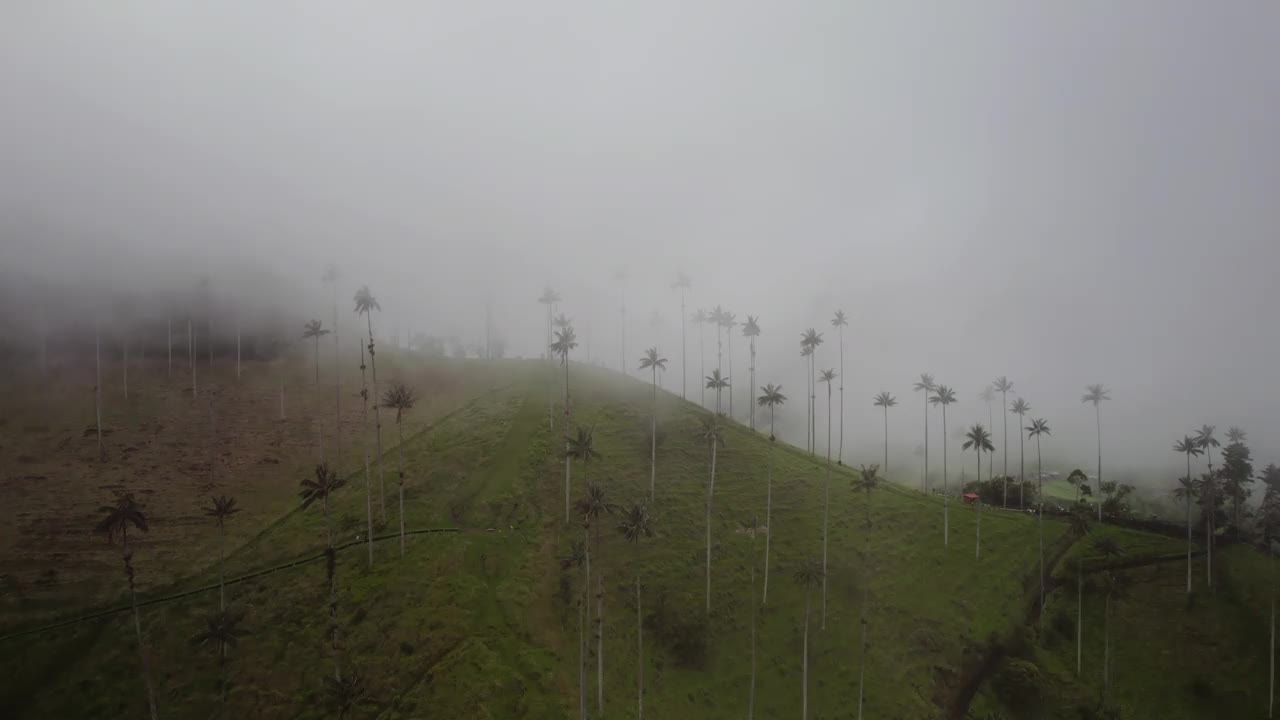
column 710, row 433
column 565, row 343
column 771, row 397
column 751, row 330
column 683, row 284
column 549, row 298
column 1186, row 490
column 867, row 480
column 730, row 321
column 840, row 322
column 562, row 321
column 222, row 630
column 828, row 377
column 806, row 352
column 942, row 397
column 314, row 330
column 1096, row 394
column 1078, row 527
column 653, row 363
column 1115, row 585
column 700, row 318
column 1003, row 385
column 1020, row 408
column 885, row 400
column 988, row 395
column 812, row 338
column 1039, row 427
column 1205, row 437
column 806, row 576
column 1207, row 489
column 221, row 508
column 636, row 525
column 366, row 304
column 579, row 447
column 593, row 507
column 716, row 382
column 580, row 556
column 325, row 483
column 926, row 385
column 401, row 398
column 116, row 519
column 978, row 440
column 1236, row 435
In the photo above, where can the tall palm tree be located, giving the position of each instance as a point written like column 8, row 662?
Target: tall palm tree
column 1003, row 385
column 401, row 398
column 222, row 629
column 1236, row 435
column 716, row 382
column 867, row 481
column 750, row 527
column 683, row 283
column 1020, row 408
column 979, row 440
column 1096, row 394
column 988, row 395
column 549, row 298
column 314, row 330
column 579, row 447
column 751, row 330
column 593, row 507
column 840, row 322
column 710, row 434
column 1205, row 437
column 636, row 525
column 221, row 508
column 806, row 352
column 1115, row 585
column 771, row 397
column 116, row 520
column 810, row 573
column 1036, row 429
column 942, row 397
column 566, row 341
column 926, row 385
column 1186, row 490
column 326, row 481
column 1078, row 527
column 366, row 303
column 652, row 362
column 730, row 321
column 330, row 277
column 579, row 556
column 812, row 338
column 885, row 400
column 700, row 318
column 828, row 377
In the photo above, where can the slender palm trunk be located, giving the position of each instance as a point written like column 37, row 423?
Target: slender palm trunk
column 582, row 656
column 728, row 332
column 826, row 504
column 337, row 379
column 586, row 589
column 568, row 480
column 946, row 495
column 1022, row 466
column 551, row 418
column 599, row 632
column 751, row 693
column 1004, row 411
column 768, row 508
column 222, row 567
column 97, row 386
column 1271, row 670
column 1079, row 613
column 377, row 417
column 1097, row 411
column 886, row 438
column 124, row 348
column 170, row 345
column 991, row 423
column 751, row 410
column 719, row 364
column 1106, row 647
column 977, row 547
column 840, row 454
column 400, row 472
column 813, row 399
column 804, row 662
column 866, row 600
column 653, row 439
column 1188, row 491
column 368, row 508
column 684, row 355
column 1040, row 523
column 639, row 655
column 924, row 485
column 191, row 357
column 702, row 365
column 624, row 372
column 137, row 628
column 711, row 491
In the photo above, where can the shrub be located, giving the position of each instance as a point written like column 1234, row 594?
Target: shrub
column 1019, row 684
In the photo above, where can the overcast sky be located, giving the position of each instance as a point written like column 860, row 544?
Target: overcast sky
column 1063, row 193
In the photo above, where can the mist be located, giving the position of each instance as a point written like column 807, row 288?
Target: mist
column 1070, row 194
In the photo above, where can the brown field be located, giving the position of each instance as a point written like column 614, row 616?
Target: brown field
column 173, row 453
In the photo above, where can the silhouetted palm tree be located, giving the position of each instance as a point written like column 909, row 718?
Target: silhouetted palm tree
column 988, row 395
column 1186, row 490
column 314, row 331
column 1078, row 527
column 116, row 520
column 1115, row 585
column 549, row 298
column 700, row 319
column 580, row 556
column 828, row 376
column 927, row 386
column 1207, row 489
column 593, row 507
column 221, row 508
column 636, row 525
column 579, row 447
column 1039, row 427
column 1020, row 408
column 771, row 398
column 867, row 481
column 1003, row 385
column 566, row 341
column 730, row 321
column 717, row 383
column 750, row 527
column 222, row 629
column 97, row 385
column 1096, row 394
column 330, row 278
column 806, row 576
column 683, row 283
column 840, row 322
column 751, row 330
column 1205, row 437
column 806, row 352
column 710, row 433
column 326, row 481
column 366, row 304
column 652, row 362
column 942, row 397
column 979, row 440
column 401, row 398
column 885, row 400
column 811, row 338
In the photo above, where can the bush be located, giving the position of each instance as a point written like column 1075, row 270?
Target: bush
column 682, row 631
column 1019, row 684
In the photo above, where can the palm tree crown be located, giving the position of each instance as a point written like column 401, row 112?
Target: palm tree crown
column 978, row 438
column 1038, row 426
column 401, row 397
column 751, row 328
column 840, row 320
column 771, row 395
column 221, row 628
column 811, row 339
column 1205, row 437
column 365, row 301
column 885, row 400
column 566, row 341
column 313, row 329
column 562, row 321
column 118, row 517
column 682, row 282
column 594, row 504
column 1095, row 394
column 651, row 360
column 582, row 446
column 325, row 483
column 710, row 431
column 987, row 395
column 715, row 381
column 809, row 573
column 925, row 383
column 942, row 395
column 549, row 296
column 1188, row 446
column 1001, row 384
column 827, row 376
column 221, row 508
column 867, row 479
column 636, row 523
column 1020, row 407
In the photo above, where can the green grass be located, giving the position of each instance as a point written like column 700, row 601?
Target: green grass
column 483, row 624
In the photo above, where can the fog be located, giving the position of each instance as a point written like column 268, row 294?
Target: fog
column 1061, row 193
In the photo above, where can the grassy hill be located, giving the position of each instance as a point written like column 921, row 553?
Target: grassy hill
column 484, row 623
